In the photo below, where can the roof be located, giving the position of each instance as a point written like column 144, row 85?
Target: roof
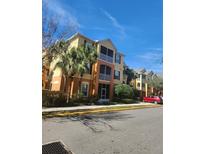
column 97, row 41
column 109, row 40
column 140, row 70
column 149, row 73
column 79, row 35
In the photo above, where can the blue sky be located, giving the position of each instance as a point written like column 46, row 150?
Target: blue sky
column 134, row 26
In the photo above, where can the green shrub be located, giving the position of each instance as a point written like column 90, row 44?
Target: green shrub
column 123, row 91
column 93, row 99
column 113, row 103
column 124, row 100
column 128, row 101
column 59, row 99
column 54, row 99
column 136, row 93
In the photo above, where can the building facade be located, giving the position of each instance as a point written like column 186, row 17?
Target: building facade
column 102, row 76
column 141, row 82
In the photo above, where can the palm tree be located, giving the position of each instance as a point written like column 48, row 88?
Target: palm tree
column 75, row 61
column 57, row 49
column 129, row 72
column 67, row 66
column 87, row 57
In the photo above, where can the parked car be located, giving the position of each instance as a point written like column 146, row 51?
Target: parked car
column 153, row 99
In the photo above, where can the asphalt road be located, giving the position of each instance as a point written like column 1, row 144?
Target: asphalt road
column 126, row 132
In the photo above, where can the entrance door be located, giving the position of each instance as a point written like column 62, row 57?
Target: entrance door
column 103, row 93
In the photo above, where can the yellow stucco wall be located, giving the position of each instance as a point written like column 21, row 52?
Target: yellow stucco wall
column 74, row 43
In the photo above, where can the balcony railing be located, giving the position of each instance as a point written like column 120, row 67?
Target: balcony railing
column 106, row 58
column 105, row 77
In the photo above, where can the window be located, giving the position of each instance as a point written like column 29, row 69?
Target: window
column 85, row 43
column 138, row 84
column 117, row 58
column 143, row 77
column 143, row 85
column 89, row 68
column 137, row 75
column 102, row 69
column 105, row 70
column 110, row 53
column 106, row 51
column 103, row 50
column 85, row 88
column 117, row 75
column 108, row 70
column 106, row 54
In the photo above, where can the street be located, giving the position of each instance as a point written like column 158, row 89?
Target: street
column 126, row 132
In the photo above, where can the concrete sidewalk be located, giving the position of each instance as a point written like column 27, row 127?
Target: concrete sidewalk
column 56, row 109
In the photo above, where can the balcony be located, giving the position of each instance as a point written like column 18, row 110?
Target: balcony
column 105, row 77
column 106, row 58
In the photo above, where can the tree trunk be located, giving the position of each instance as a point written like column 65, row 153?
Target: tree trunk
column 50, row 76
column 64, row 84
column 66, row 88
column 80, row 83
column 69, row 93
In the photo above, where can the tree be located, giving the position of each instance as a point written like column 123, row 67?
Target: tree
column 74, row 61
column 59, row 48
column 88, row 56
column 53, row 31
column 123, row 91
column 65, row 63
column 129, row 72
column 156, row 82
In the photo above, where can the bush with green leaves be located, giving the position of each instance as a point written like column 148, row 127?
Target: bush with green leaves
column 53, row 98
column 123, row 91
column 59, row 99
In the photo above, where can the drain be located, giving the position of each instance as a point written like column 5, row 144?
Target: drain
column 55, row 148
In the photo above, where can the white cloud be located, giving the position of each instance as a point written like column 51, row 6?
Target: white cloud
column 152, row 59
column 155, row 49
column 150, row 56
column 115, row 23
column 64, row 16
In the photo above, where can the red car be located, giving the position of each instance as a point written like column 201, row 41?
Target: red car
column 153, row 99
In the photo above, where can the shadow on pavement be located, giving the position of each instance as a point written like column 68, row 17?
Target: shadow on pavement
column 97, row 122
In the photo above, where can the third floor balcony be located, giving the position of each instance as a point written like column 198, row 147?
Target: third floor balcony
column 106, row 58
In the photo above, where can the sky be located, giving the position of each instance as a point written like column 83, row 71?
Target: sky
column 134, row 26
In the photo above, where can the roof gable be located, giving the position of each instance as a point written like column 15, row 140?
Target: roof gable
column 108, row 41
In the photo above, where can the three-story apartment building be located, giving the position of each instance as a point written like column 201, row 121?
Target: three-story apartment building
column 141, row 82
column 102, row 76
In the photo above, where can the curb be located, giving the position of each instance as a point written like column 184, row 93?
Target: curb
column 91, row 111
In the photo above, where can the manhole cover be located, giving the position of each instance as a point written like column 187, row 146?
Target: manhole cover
column 55, row 148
